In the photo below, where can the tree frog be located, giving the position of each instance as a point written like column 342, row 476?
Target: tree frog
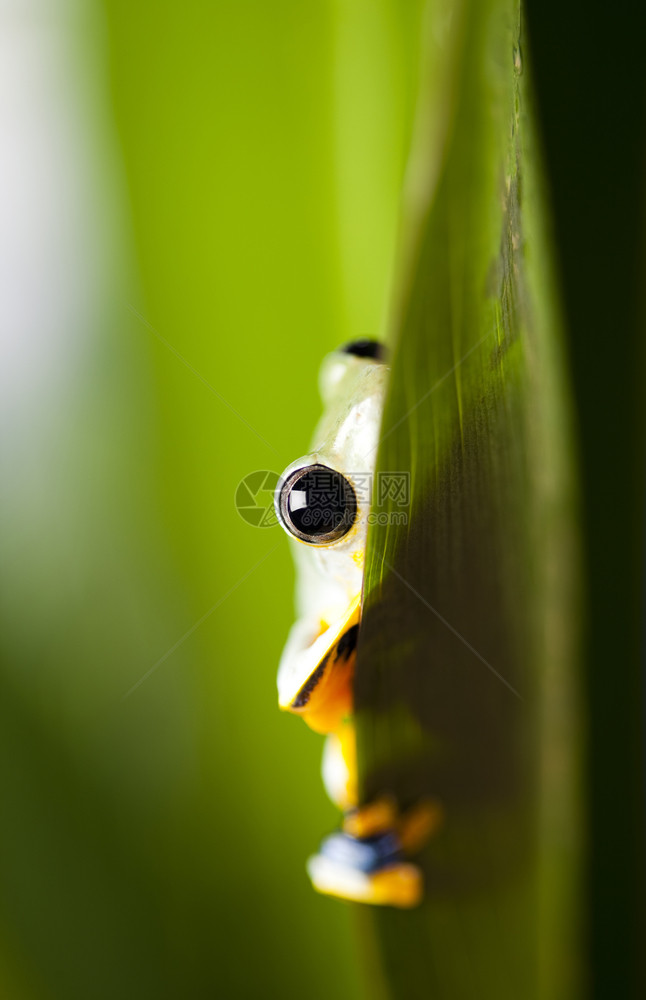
column 323, row 502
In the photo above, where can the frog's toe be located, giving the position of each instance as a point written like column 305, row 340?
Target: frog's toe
column 419, row 823
column 374, row 818
column 367, row 870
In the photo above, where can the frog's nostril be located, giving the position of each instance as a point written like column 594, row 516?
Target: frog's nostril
column 366, row 349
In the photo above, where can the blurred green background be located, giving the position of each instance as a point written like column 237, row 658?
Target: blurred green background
column 202, row 199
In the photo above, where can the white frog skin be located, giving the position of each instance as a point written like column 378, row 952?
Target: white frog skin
column 365, row 861
column 330, row 577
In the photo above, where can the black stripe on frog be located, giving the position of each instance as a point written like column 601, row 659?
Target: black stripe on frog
column 342, row 651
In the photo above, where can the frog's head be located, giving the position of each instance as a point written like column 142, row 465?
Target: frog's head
column 323, row 502
column 323, row 498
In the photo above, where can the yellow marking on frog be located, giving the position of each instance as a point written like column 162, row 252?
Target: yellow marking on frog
column 325, row 699
column 399, row 885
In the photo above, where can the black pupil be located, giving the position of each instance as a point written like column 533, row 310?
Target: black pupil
column 322, row 502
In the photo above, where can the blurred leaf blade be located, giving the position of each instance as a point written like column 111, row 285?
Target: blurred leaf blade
column 184, row 163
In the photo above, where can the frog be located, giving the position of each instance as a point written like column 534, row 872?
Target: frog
column 323, row 500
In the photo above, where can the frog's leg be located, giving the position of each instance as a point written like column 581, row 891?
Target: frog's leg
column 339, row 770
column 365, row 860
column 373, row 868
column 339, row 766
column 316, row 670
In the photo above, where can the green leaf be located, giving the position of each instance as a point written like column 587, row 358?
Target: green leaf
column 466, row 678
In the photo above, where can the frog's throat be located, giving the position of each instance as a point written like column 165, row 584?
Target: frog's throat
column 317, row 683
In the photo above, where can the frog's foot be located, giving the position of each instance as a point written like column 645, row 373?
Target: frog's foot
column 366, row 870
column 366, row 860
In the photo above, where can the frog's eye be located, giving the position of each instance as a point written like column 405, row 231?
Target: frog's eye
column 316, row 504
